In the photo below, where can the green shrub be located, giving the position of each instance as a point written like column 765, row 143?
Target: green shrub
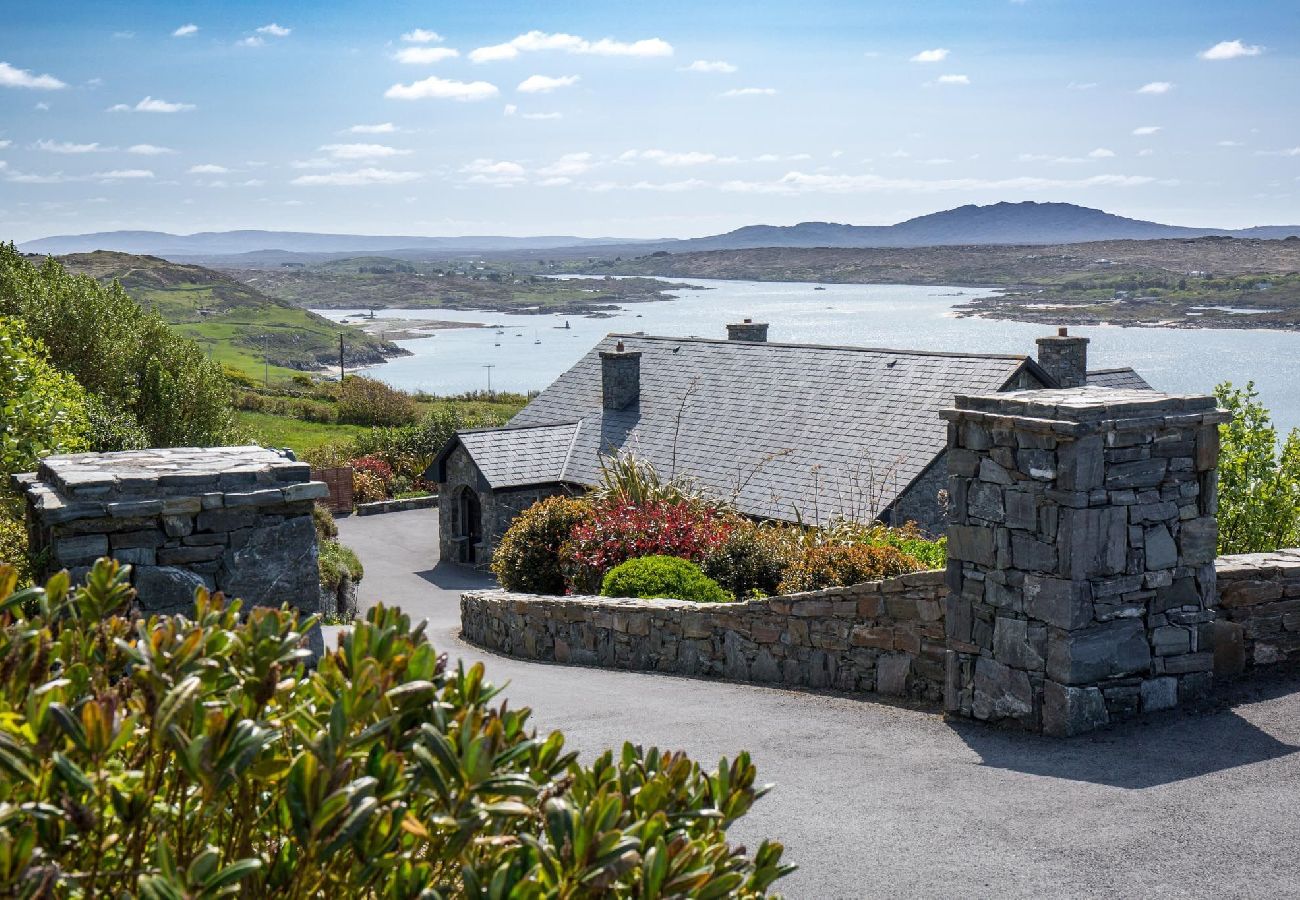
column 338, row 561
column 628, row 480
column 527, row 558
column 932, row 553
column 42, row 410
column 753, row 558
column 1259, row 477
column 837, row 565
column 14, row 549
column 172, row 757
column 365, row 401
column 323, row 519
column 652, row 577
column 125, row 355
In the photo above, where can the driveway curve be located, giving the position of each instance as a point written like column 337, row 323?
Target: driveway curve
column 879, row 800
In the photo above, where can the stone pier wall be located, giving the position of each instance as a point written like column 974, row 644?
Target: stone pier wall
column 1259, row 610
column 234, row 519
column 880, row 636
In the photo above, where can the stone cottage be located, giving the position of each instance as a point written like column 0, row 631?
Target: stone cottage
column 787, row 432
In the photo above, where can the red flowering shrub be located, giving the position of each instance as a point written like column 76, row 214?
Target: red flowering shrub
column 616, row 532
column 375, row 466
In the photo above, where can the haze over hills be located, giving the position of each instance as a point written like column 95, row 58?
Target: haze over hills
column 999, row 223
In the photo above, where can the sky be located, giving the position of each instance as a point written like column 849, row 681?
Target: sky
column 636, row 119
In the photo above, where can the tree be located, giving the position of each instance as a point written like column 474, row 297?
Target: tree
column 42, row 410
column 1259, row 477
column 125, row 356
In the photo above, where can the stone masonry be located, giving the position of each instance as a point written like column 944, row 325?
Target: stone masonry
column 1259, row 610
column 1081, row 555
column 234, row 519
column 881, row 636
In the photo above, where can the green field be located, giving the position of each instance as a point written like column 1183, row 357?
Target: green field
column 236, row 324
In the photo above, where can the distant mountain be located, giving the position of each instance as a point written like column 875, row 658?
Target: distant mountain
column 221, row 243
column 998, row 223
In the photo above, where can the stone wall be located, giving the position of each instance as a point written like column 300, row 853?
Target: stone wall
column 234, row 519
column 1081, row 555
column 881, row 636
column 1259, row 610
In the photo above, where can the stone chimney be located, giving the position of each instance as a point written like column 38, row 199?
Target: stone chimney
column 620, row 377
column 748, row 330
column 1065, row 358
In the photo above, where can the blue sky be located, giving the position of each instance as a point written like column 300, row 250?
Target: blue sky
column 639, row 119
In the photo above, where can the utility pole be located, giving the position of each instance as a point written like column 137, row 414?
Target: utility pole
column 340, row 357
column 489, row 367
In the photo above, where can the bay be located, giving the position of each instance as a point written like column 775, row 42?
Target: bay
column 532, row 350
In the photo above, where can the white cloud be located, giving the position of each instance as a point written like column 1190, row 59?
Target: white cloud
column 42, row 106
column 1289, row 151
column 952, row 79
column 1081, row 85
column 542, row 117
column 1146, row 151
column 1230, row 50
column 186, row 30
column 149, row 150
column 208, row 169
column 705, row 65
column 382, row 128
column 424, row 56
column 494, row 172
column 422, row 36
column 568, row 165
column 1144, row 130
column 1229, row 144
column 314, row 163
column 442, row 89
column 544, row 84
column 938, row 54
column 152, row 105
column 357, row 178
column 749, row 92
column 676, row 160
column 123, row 175
column 803, row 182
column 251, row 41
column 69, row 147
column 5, row 145
column 510, row 109
column 362, row 151
column 1156, row 87
column 1101, row 153
column 569, row 43
column 275, row 30
column 11, row 76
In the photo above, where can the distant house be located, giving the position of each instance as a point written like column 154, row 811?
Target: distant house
column 787, row 432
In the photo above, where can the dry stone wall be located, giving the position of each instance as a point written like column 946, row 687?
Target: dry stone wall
column 1259, row 610
column 234, row 519
column 880, row 636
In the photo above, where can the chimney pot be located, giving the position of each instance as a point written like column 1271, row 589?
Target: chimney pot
column 1065, row 358
column 748, row 330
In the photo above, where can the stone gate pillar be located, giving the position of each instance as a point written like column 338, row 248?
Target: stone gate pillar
column 1081, row 555
column 234, row 519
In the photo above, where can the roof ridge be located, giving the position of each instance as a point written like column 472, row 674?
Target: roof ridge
column 1110, row 371
column 568, row 454
column 791, row 345
column 509, row 427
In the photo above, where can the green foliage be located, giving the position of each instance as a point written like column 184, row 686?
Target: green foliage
column 1259, row 477
column 125, row 356
column 338, row 561
column 753, row 558
column 832, row 565
column 654, row 577
column 42, row 410
column 527, row 558
column 171, row 757
column 13, row 541
column 365, row 401
column 627, row 479
column 931, row 553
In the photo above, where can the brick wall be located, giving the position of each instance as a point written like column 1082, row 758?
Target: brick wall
column 880, row 636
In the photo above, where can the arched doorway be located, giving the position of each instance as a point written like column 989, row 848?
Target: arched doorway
column 469, row 519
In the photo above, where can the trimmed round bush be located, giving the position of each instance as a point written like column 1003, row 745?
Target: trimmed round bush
column 836, row 565
column 652, row 577
column 528, row 557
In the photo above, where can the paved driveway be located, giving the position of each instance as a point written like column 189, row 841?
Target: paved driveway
column 878, row 800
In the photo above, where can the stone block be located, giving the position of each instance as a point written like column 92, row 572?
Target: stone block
column 226, row 519
column 1031, row 555
column 993, row 473
column 972, row 544
column 1137, row 474
column 1020, row 509
column 1001, row 692
column 145, row 537
column 1019, row 644
column 84, row 548
column 891, row 674
column 135, row 556
column 265, row 497
column 1198, row 540
column 171, row 556
column 1102, row 651
column 1068, row 711
column 1159, row 693
column 309, row 490
column 166, row 589
column 984, row 501
column 1161, row 552
column 958, row 618
column 1093, row 542
column 1202, row 661
column 177, row 526
column 1170, row 640
column 1057, row 601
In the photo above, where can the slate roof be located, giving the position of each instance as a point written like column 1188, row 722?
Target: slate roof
column 1127, row 379
column 518, row 456
column 785, row 430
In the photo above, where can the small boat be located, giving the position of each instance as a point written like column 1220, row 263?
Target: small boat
column 497, row 344
column 819, row 288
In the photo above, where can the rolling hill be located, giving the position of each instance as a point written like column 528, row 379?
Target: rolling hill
column 237, row 324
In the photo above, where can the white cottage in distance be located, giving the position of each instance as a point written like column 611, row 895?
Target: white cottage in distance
column 787, row 432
